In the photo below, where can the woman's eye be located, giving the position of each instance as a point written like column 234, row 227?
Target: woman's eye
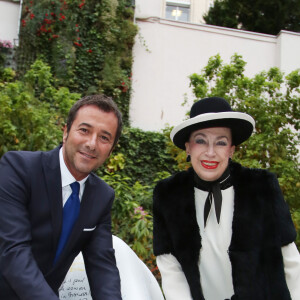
column 200, row 141
column 222, row 143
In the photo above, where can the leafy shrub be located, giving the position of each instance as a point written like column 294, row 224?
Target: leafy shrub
column 32, row 111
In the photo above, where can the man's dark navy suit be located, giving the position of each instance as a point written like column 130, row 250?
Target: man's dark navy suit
column 30, row 225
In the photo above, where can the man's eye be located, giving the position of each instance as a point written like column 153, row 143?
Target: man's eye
column 84, row 130
column 104, row 138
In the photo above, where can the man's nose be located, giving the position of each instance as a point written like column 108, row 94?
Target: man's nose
column 91, row 143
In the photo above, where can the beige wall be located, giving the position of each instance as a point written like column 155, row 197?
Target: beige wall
column 175, row 50
column 153, row 8
column 9, row 21
column 288, row 51
column 156, row 8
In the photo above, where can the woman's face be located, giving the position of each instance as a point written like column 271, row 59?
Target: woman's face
column 210, row 150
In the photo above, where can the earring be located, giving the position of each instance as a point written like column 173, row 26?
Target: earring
column 188, row 158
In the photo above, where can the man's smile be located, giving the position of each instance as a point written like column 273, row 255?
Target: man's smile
column 87, row 155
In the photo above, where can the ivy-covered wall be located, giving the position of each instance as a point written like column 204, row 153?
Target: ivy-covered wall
column 88, row 44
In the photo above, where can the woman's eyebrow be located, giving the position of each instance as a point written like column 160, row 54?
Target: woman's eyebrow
column 222, row 136
column 199, row 133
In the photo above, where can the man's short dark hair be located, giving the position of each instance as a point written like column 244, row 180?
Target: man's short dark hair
column 104, row 103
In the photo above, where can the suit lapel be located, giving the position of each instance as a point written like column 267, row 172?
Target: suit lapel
column 88, row 200
column 51, row 167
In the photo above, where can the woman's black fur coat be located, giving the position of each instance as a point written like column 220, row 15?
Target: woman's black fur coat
column 261, row 226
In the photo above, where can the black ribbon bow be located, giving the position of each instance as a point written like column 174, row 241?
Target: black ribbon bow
column 214, row 192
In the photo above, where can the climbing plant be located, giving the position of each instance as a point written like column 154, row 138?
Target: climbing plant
column 88, row 44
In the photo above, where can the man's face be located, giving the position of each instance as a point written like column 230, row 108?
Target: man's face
column 90, row 140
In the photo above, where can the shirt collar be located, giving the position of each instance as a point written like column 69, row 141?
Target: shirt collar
column 66, row 177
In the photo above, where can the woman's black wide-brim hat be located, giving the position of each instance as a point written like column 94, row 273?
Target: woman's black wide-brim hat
column 213, row 112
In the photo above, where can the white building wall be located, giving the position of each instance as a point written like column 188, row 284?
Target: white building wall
column 9, row 21
column 197, row 8
column 144, row 9
column 288, row 51
column 175, row 50
column 166, row 52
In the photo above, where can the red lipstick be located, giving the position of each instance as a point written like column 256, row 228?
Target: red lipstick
column 209, row 164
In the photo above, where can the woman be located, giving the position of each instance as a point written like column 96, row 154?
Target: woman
column 222, row 231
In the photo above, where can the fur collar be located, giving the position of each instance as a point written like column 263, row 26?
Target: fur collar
column 256, row 229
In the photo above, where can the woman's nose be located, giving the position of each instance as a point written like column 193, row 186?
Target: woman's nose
column 210, row 150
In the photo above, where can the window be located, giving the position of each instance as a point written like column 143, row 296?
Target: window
column 178, row 10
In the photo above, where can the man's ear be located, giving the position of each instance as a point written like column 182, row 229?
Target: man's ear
column 65, row 135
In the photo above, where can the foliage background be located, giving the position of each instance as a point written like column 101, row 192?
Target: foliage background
column 257, row 15
column 85, row 47
column 69, row 49
column 273, row 100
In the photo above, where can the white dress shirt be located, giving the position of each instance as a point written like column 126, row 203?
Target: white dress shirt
column 67, row 178
column 214, row 263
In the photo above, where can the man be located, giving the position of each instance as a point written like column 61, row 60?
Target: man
column 37, row 193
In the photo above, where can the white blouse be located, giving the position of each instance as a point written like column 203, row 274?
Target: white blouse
column 214, row 265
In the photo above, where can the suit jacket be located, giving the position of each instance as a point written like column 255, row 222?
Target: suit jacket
column 30, row 225
column 261, row 225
